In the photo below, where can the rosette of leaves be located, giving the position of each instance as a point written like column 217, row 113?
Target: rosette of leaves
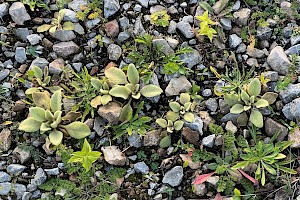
column 268, row 158
column 125, row 86
column 249, row 101
column 102, row 88
column 205, row 26
column 46, row 117
column 56, row 24
column 160, row 18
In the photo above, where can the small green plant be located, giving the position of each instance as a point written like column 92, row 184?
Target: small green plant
column 56, row 24
column 102, row 88
column 160, row 18
column 86, row 156
column 33, row 3
column 42, row 77
column 205, row 26
column 249, row 100
column 125, row 86
column 91, row 10
column 47, row 117
column 268, row 158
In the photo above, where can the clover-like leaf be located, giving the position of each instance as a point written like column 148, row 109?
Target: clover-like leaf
column 37, row 113
column 30, row 125
column 261, row 103
column 56, row 137
column 231, row 99
column 96, row 83
column 165, row 142
column 133, row 74
column 175, row 107
column 116, row 76
column 172, row 116
column 126, row 113
column 120, row 91
column 254, row 87
column 184, row 98
column 38, row 73
column 237, row 109
column 256, row 118
column 55, row 101
column 189, row 117
column 244, row 96
column 178, row 125
column 162, row 122
column 151, row 91
column 77, row 130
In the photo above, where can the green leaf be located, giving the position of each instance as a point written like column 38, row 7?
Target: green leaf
column 133, row 74
column 270, row 169
column 189, row 117
column 41, row 99
column 206, row 6
column 49, row 116
column 151, row 91
column 126, row 113
column 77, row 130
column 184, row 98
column 178, row 125
column 38, row 73
column 254, row 87
column 165, row 142
column 52, row 29
column 175, row 107
column 237, row 109
column 231, row 99
column 43, row 28
column 97, row 101
column 162, row 122
column 68, row 26
column 56, row 137
column 120, row 91
column 270, row 97
column 263, row 178
column 106, row 99
column 241, row 165
column 96, row 83
column 37, row 113
column 261, row 103
column 244, row 96
column 173, row 116
column 287, row 170
column 30, row 125
column 256, row 118
column 55, row 101
column 44, row 128
column 116, row 76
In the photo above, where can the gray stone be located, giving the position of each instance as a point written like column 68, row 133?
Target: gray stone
column 19, row 189
column 272, row 75
column 26, row 196
column 220, row 5
column 113, row 155
column 137, row 8
column 70, row 15
column 152, row 138
column 212, row 104
column 4, row 73
column 234, row 41
column 172, row 27
column 295, row 40
column 114, row 52
column 52, row 172
column 206, row 92
column 264, row 33
column 141, row 167
column 22, row 33
column 138, row 27
column 123, row 36
column 124, row 23
column 191, row 59
column 64, row 49
column 255, row 53
column 135, row 140
column 226, row 24
column 290, row 93
column 3, row 9
column 208, row 141
column 40, row 62
column 5, row 188
column 56, row 66
column 99, row 125
column 34, row 39
column 3, row 29
column 15, row 169
column 293, row 50
column 241, row 48
column 4, row 177
column 163, row 45
column 78, row 28
column 295, row 137
column 63, row 35
column 20, row 55
column 18, row 13
column 111, row 7
column 241, row 16
column 196, row 125
column 292, row 110
column 174, row 176
column 236, row 6
column 172, row 42
column 92, row 23
column 22, row 154
column 199, row 189
column 278, row 60
column 177, row 86
column 39, row 178
column 75, row 4
column 110, row 112
column 272, row 127
column 185, row 28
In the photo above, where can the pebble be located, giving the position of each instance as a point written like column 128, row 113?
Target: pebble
column 293, row 50
column 4, row 73
column 177, row 86
column 196, row 125
column 114, row 52
column 5, row 138
column 113, row 155
column 5, row 188
column 19, row 189
column 34, row 39
column 152, row 138
column 208, row 141
column 199, row 189
column 290, row 93
column 190, row 135
column 292, row 110
column 295, row 137
column 64, row 49
column 40, row 62
column 63, row 35
column 4, row 177
column 15, row 169
column 234, row 41
column 39, row 178
column 23, row 155
column 174, row 176
column 185, row 28
column 264, row 33
column 241, row 16
column 278, row 60
column 123, row 36
column 4, row 9
column 112, row 28
column 141, row 167
column 212, row 104
column 52, row 172
column 135, row 140
column 75, row 4
column 163, row 45
column 191, row 59
column 18, row 13
column 272, row 127
column 70, row 15
column 226, row 24
column 56, row 66
column 111, row 7
column 206, row 92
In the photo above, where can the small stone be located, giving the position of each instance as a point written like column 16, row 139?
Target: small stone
column 271, row 75
column 241, row 48
column 68, row 104
column 5, row 139
column 293, row 50
column 152, row 138
column 70, row 15
column 241, row 16
column 63, row 35
column 76, row 4
column 39, row 178
column 191, row 59
column 172, row 42
column 212, row 104
column 295, row 40
column 141, row 167
column 26, row 196
column 163, row 45
column 174, row 176
column 78, row 29
column 234, row 41
column 138, row 27
column 18, row 13
column 137, row 8
column 40, row 62
column 255, row 53
column 47, row 43
column 219, row 6
column 4, row 73
column 99, row 125
column 4, row 177
column 226, row 24
column 272, row 127
column 5, row 188
column 199, row 189
column 206, row 92
column 22, row 33
column 22, row 154
column 64, row 49
column 292, row 110
column 135, row 140
column 172, row 27
column 56, row 66
column 213, row 180
column 19, row 189
column 278, row 60
column 52, row 172
column 112, row 28
column 124, row 23
column 110, row 112
column 144, row 3
column 290, row 93
column 111, row 7
column 196, row 125
column 231, row 127
column 123, row 36
column 185, row 28
column 295, row 137
column 113, row 155
column 15, row 169
column 177, row 86
column 114, row 52
column 264, row 33
column 208, row 141
column 190, row 135
column 89, row 24
column 34, row 39
column 4, row 9
column 20, row 55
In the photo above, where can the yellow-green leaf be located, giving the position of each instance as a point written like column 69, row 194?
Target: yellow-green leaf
column 120, row 91
column 151, row 91
column 68, row 26
column 37, row 113
column 30, row 125
column 256, row 118
column 116, row 76
column 133, row 74
column 41, row 99
column 254, row 87
column 55, row 101
column 77, row 130
column 56, row 137
column 43, row 28
column 237, row 109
